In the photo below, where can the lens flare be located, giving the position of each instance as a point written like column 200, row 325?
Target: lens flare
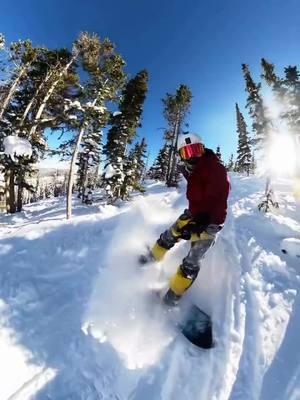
column 282, row 155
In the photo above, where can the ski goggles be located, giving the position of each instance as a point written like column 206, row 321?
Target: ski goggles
column 191, row 150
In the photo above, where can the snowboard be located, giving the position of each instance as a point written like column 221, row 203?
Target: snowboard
column 189, row 320
column 196, row 326
column 291, row 246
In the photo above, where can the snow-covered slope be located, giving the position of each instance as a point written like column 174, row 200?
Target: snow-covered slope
column 77, row 320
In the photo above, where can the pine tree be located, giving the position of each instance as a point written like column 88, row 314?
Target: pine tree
column 159, row 169
column 244, row 156
column 124, row 125
column 231, row 164
column 88, row 160
column 34, row 106
column 90, row 114
column 218, row 153
column 261, row 123
column 141, row 155
column 291, row 88
column 287, row 92
column 269, row 74
column 38, row 101
column 176, row 107
column 134, row 167
column 42, row 109
column 21, row 56
column 253, row 164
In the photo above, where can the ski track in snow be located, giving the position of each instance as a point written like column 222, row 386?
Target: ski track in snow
column 66, row 285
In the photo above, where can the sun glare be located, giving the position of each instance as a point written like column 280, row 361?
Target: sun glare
column 282, row 155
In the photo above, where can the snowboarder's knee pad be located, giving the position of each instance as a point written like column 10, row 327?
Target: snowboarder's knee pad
column 201, row 236
column 179, row 283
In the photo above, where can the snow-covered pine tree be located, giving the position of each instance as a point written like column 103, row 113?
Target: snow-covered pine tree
column 253, row 163
column 159, row 169
column 218, row 153
column 35, row 106
column 134, row 168
column 88, row 160
column 124, row 124
column 44, row 104
column 105, row 70
column 82, row 46
column 20, row 57
column 244, row 156
column 231, row 164
column 287, row 92
column 46, row 84
column 176, row 107
column 2, row 41
column 270, row 77
column 261, row 124
column 291, row 87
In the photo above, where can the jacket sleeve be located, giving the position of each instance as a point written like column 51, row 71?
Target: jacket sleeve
column 182, row 169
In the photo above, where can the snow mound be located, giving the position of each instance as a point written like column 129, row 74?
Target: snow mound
column 123, row 309
column 291, row 246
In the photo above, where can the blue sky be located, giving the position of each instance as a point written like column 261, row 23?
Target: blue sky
column 198, row 43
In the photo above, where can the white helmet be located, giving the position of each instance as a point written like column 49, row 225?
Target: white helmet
column 187, row 138
column 190, row 146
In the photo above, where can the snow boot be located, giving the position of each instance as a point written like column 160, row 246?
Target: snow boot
column 146, row 258
column 155, row 254
column 179, row 283
column 171, row 299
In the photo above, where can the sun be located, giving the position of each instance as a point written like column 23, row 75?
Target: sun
column 282, row 155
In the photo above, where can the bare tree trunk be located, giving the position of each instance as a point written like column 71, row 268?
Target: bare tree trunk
column 71, row 171
column 12, row 90
column 169, row 163
column 172, row 159
column 20, row 198
column 6, row 193
column 86, row 180
column 10, row 190
column 48, row 95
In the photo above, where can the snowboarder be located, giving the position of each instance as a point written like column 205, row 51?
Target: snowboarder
column 207, row 191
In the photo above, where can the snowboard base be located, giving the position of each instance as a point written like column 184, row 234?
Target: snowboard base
column 197, row 328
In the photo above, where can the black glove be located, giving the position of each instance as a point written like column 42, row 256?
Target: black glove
column 197, row 225
column 202, row 219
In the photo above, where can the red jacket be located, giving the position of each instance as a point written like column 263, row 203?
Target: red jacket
column 208, row 188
